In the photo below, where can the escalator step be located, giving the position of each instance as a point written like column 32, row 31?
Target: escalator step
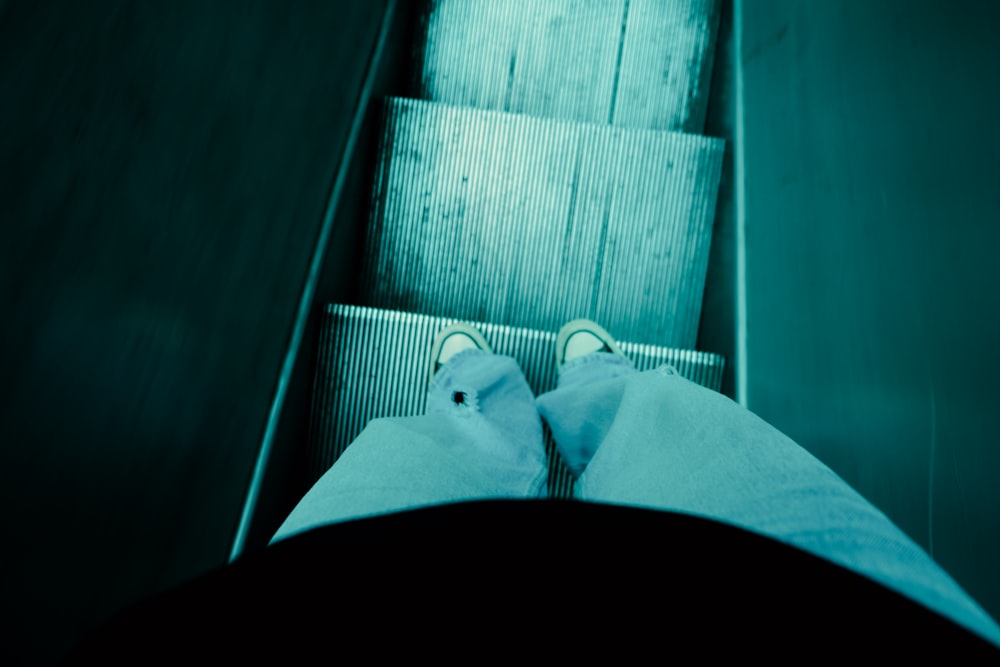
column 528, row 222
column 633, row 63
column 373, row 363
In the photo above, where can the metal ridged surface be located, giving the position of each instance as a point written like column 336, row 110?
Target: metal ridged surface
column 373, row 363
column 528, row 222
column 666, row 64
column 636, row 63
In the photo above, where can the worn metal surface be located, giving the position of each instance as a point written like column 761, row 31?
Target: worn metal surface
column 633, row 63
column 373, row 363
column 529, row 222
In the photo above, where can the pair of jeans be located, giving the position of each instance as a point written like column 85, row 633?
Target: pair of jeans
column 652, row 440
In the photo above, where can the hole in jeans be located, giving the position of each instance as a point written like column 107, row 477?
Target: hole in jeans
column 458, row 397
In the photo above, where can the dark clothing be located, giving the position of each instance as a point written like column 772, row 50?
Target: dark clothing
column 532, row 579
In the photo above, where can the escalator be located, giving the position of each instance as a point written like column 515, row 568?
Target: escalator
column 546, row 162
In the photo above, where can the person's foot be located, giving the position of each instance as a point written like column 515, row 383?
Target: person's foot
column 582, row 337
column 453, row 339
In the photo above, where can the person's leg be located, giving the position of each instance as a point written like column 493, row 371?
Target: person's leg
column 481, row 438
column 584, row 405
column 658, row 441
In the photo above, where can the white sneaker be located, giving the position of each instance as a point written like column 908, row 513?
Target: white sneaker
column 454, row 339
column 582, row 337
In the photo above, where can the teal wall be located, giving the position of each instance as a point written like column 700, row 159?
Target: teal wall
column 872, row 223
column 164, row 169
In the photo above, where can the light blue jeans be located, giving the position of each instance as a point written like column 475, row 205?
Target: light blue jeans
column 652, row 440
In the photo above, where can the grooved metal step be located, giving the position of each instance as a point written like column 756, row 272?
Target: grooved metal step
column 373, row 363
column 634, row 63
column 531, row 222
